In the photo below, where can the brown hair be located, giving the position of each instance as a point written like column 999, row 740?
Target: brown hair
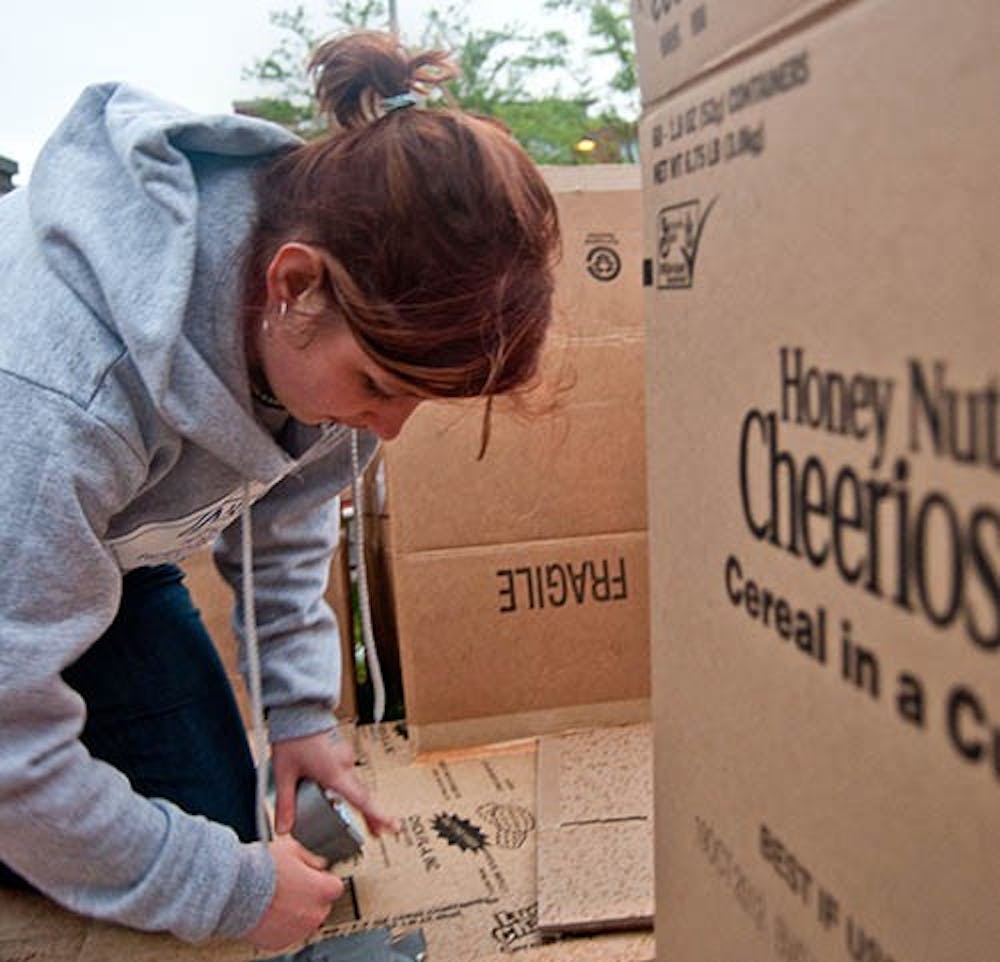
column 439, row 232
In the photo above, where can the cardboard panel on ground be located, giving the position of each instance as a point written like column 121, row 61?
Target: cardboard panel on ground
column 824, row 426
column 678, row 41
column 32, row 929
column 506, row 640
column 462, row 870
column 595, row 830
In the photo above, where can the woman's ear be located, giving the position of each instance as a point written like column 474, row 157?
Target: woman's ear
column 295, row 275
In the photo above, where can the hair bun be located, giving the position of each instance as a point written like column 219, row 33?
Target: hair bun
column 355, row 72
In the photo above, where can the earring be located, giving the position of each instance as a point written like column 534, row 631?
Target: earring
column 265, row 323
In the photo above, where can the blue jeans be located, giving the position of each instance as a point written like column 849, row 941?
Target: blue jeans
column 160, row 707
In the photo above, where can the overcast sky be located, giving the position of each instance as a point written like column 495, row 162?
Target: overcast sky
column 188, row 51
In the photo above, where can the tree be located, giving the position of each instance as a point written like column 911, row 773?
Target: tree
column 284, row 68
column 529, row 80
column 514, row 76
column 609, row 26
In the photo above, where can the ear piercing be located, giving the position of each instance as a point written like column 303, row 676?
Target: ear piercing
column 265, row 324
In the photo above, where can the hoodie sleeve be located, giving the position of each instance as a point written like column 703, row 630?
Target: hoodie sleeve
column 69, row 823
column 295, row 532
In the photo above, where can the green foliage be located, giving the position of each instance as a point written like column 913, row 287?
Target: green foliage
column 614, row 128
column 503, row 75
column 297, row 117
column 497, row 65
column 537, row 83
column 284, row 68
column 547, row 127
column 610, row 27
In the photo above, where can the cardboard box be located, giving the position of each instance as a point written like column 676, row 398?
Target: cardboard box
column 824, row 370
column 679, row 40
column 501, row 641
column 600, row 220
column 579, row 469
column 557, row 508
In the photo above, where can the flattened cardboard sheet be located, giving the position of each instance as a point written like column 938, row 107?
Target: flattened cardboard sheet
column 462, row 869
column 32, row 929
column 595, row 830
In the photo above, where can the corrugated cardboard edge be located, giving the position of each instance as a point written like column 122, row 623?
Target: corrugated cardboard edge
column 438, row 736
column 547, row 786
column 592, row 177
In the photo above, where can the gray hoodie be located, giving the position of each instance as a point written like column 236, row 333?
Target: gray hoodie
column 128, row 437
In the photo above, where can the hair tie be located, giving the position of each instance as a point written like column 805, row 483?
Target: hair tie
column 398, row 101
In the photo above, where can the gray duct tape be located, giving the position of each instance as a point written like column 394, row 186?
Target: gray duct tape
column 378, row 945
column 325, row 825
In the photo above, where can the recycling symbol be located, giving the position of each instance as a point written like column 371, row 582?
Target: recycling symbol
column 603, row 263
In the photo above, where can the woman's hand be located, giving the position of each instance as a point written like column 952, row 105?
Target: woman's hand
column 303, row 894
column 329, row 762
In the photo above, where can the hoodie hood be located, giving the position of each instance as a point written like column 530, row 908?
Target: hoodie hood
column 144, row 209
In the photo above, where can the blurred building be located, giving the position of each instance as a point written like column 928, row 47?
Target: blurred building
column 8, row 168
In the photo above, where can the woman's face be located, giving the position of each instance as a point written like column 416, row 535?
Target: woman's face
column 325, row 376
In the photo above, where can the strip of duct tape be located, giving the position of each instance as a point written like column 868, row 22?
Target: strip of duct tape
column 378, row 945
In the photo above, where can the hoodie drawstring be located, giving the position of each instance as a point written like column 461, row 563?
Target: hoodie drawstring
column 364, row 599
column 253, row 668
column 253, row 644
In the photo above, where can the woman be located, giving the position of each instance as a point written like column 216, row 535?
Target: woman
column 195, row 314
